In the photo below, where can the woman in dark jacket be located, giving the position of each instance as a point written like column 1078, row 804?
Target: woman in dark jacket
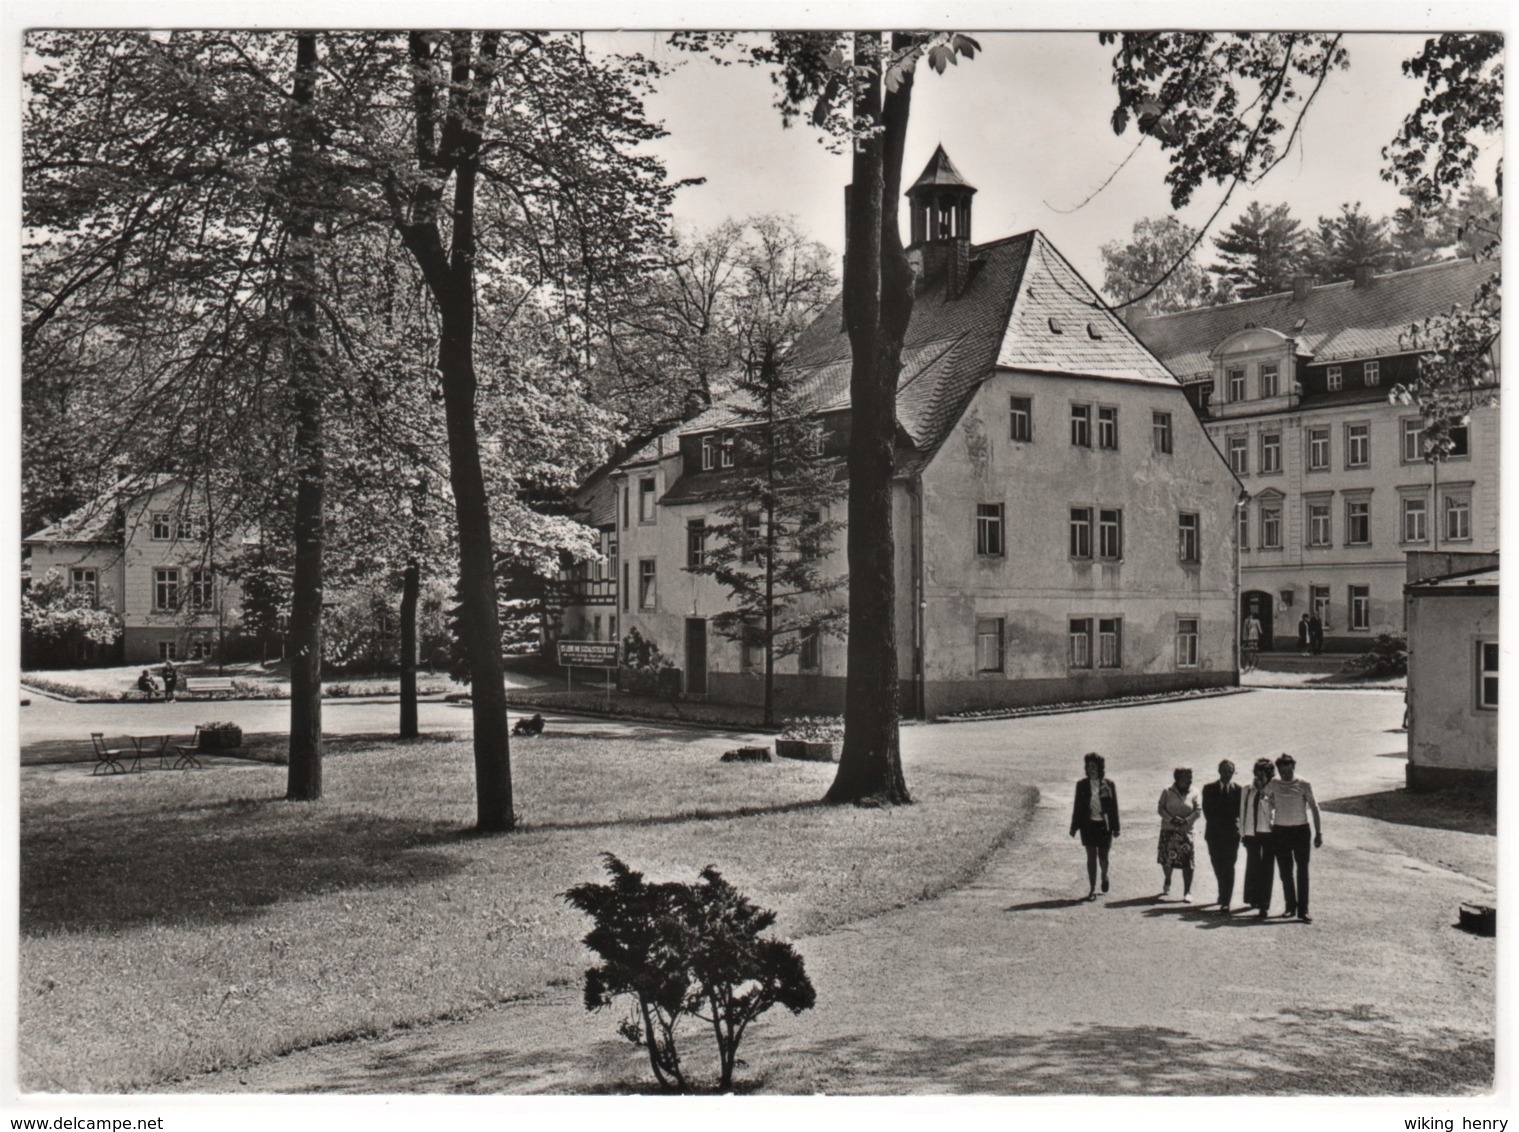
column 1095, row 817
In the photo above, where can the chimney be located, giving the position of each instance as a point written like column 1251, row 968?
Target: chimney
column 1364, row 277
column 1302, row 287
column 957, row 267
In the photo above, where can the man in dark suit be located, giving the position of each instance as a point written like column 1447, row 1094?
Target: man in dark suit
column 1221, row 812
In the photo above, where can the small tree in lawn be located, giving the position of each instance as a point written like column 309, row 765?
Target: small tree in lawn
column 772, row 542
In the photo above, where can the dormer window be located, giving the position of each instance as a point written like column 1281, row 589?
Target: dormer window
column 1332, row 379
column 1373, row 374
column 1270, row 379
column 709, row 452
column 1236, row 379
column 1093, row 330
column 1055, row 327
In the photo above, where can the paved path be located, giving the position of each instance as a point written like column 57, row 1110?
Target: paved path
column 1013, row 984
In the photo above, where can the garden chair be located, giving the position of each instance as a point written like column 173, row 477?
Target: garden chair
column 188, row 753
column 108, row 757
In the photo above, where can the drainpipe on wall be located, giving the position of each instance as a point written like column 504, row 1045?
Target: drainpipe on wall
column 915, row 494
column 1241, row 504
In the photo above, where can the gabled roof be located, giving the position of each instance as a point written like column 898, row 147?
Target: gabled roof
column 1485, row 579
column 98, row 521
column 1023, row 307
column 1340, row 320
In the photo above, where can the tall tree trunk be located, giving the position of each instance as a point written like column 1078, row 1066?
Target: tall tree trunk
column 411, row 583
column 307, row 380
column 877, row 307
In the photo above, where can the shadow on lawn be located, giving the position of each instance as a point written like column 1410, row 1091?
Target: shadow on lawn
column 214, row 863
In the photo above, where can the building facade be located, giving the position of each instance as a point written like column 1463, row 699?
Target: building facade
column 146, row 552
column 1293, row 388
column 1065, row 528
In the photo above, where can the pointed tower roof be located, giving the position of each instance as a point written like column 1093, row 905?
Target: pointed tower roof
column 940, row 172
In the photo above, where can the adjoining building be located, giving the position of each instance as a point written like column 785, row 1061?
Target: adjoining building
column 1293, row 388
column 1453, row 678
column 1065, row 529
column 146, row 551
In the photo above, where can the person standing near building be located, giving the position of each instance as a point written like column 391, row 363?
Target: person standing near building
column 171, row 679
column 1304, row 636
column 1221, row 813
column 1179, row 810
column 1252, row 637
column 1255, row 830
column 1316, row 633
column 1095, row 817
column 1292, row 803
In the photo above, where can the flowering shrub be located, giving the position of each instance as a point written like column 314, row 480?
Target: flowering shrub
column 685, row 950
column 813, row 728
column 1388, row 656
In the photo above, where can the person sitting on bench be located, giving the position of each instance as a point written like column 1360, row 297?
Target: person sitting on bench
column 533, row 726
column 147, row 685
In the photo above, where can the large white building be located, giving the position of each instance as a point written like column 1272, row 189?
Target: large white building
column 1064, row 526
column 1293, row 388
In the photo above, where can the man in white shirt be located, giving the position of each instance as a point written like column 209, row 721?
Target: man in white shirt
column 1292, row 803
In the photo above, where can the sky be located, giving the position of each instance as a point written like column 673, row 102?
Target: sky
column 1027, row 123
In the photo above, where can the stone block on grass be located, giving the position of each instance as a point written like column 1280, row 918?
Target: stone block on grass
column 747, row 755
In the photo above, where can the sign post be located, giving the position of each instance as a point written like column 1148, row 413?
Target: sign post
column 588, row 654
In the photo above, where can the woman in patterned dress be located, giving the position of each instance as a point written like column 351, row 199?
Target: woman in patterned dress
column 1179, row 810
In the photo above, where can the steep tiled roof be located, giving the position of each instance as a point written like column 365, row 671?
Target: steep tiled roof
column 939, row 171
column 98, row 520
column 1340, row 321
column 1023, row 306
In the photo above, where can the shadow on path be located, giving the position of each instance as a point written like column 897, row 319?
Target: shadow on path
column 1461, row 811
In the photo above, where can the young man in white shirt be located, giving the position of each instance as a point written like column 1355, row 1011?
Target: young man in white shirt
column 1292, row 803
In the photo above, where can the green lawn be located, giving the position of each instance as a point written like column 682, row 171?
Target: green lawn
column 178, row 922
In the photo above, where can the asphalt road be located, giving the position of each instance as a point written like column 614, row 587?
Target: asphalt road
column 1014, row 984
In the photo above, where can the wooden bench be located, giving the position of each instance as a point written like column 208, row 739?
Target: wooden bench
column 202, row 685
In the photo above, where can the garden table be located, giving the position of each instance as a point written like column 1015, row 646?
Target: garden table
column 142, row 743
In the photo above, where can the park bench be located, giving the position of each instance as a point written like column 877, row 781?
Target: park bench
column 203, row 685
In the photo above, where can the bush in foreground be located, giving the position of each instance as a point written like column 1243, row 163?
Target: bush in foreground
column 684, row 950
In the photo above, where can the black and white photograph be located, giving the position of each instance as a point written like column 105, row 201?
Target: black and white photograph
column 689, row 557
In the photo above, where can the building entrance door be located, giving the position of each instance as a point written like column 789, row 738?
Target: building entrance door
column 696, row 656
column 1259, row 603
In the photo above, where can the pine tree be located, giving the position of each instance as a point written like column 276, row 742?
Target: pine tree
column 771, row 544
column 1261, row 251
column 1346, row 242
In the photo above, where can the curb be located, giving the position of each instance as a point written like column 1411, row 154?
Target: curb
column 1092, row 705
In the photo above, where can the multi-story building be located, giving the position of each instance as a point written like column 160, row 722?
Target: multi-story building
column 1293, row 388
column 1064, row 527
column 145, row 551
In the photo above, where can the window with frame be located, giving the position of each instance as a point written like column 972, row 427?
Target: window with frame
column 1271, row 452
column 627, row 495
column 1081, row 426
column 1239, row 455
column 989, row 644
column 1244, row 528
column 1487, row 675
column 726, row 450
column 627, row 590
column 989, row 542
column 813, row 443
column 1271, row 526
column 1161, row 428
column 1460, row 437
column 1236, row 383
column 202, row 589
column 809, row 657
column 1415, row 518
column 708, row 452
column 646, row 500
column 648, row 589
column 1357, row 445
column 168, row 650
column 1360, row 607
column 1189, row 547
column 165, row 590
column 162, row 526
column 1110, row 642
column 1186, row 642
column 1333, row 379
column 1080, row 637
column 1413, row 441
column 1320, row 524
column 1110, row 534
column 1318, row 601
column 1357, row 522
column 1372, row 374
column 1021, row 422
column 1081, row 532
column 190, row 528
column 1107, row 427
column 1318, row 449
column 1458, row 517
column 696, row 543
column 749, row 551
column 751, row 651
column 595, row 626
column 1270, row 374
column 85, row 583
column 201, row 649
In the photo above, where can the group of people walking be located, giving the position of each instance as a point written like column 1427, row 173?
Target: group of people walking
column 1269, row 818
